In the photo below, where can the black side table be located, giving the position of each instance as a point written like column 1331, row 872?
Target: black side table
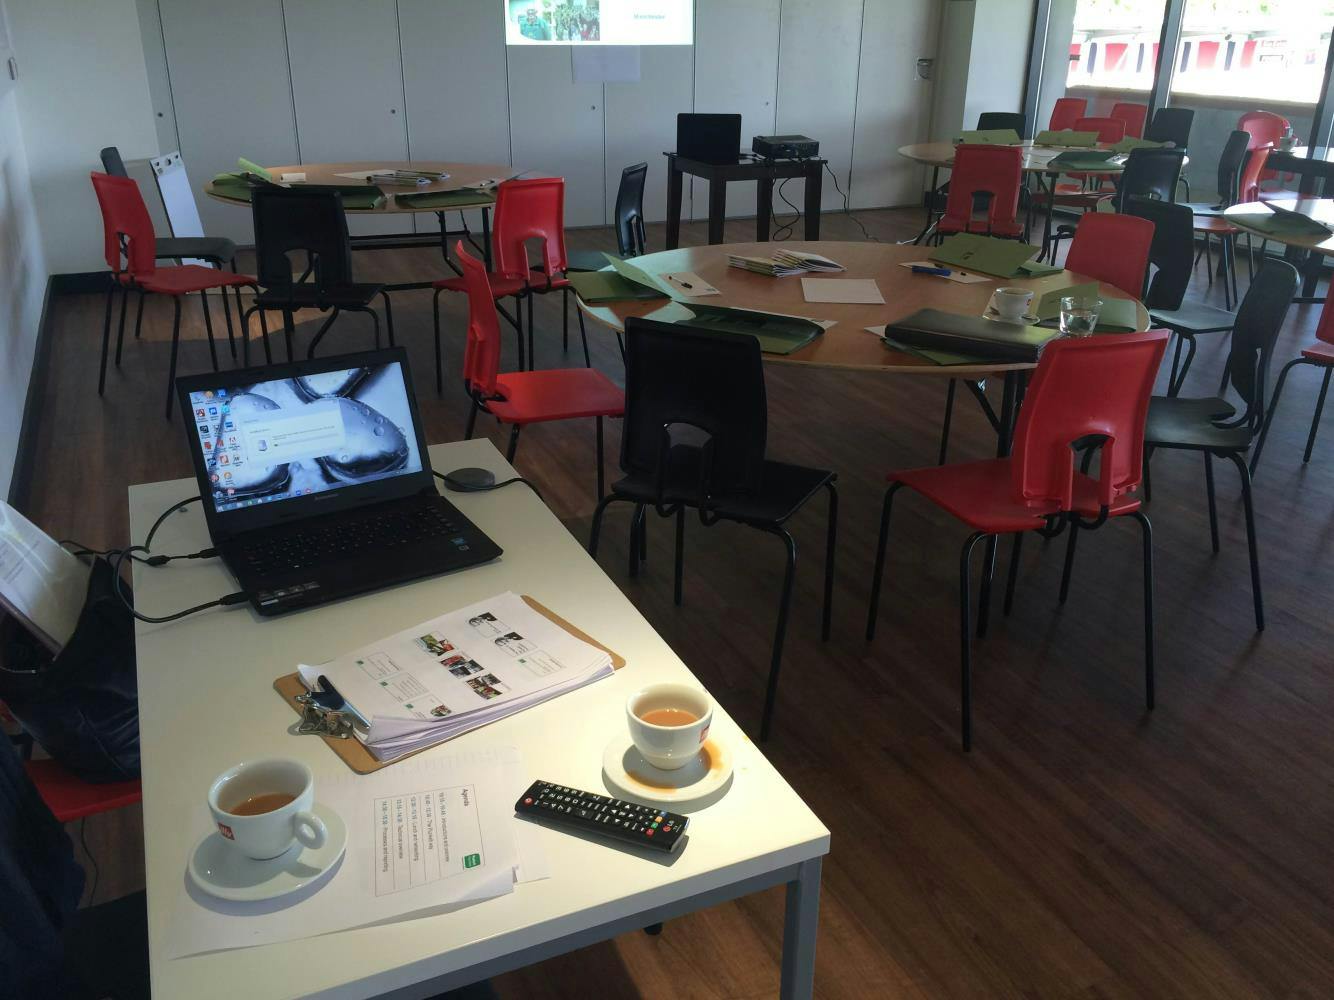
column 763, row 172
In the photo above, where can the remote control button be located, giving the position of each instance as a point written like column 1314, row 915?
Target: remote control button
column 648, row 833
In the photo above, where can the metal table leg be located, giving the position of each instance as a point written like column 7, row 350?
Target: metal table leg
column 800, row 924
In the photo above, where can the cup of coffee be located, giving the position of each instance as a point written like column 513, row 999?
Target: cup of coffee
column 669, row 723
column 263, row 807
column 1012, row 304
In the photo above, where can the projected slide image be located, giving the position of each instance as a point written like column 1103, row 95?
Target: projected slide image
column 598, row 22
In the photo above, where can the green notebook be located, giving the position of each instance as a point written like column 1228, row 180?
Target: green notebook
column 1068, row 137
column 596, row 287
column 247, row 167
column 232, row 186
column 1034, row 269
column 990, row 137
column 987, row 254
column 776, row 334
column 1081, row 159
column 1115, row 315
column 1285, row 224
column 464, row 198
column 1130, row 142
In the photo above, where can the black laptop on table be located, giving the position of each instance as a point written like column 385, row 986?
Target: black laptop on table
column 315, row 480
column 708, row 138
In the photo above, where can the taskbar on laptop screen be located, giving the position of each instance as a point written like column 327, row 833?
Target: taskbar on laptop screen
column 282, row 439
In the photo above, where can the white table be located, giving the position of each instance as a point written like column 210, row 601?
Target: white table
column 206, row 701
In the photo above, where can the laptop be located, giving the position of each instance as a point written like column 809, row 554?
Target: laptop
column 708, row 138
column 315, row 480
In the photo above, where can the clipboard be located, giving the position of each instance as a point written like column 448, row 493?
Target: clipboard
column 353, row 752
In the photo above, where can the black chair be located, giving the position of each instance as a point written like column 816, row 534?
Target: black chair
column 1208, row 216
column 1196, row 425
column 1002, row 119
column 1171, row 125
column 694, row 437
column 1149, row 173
column 307, row 224
column 1171, row 254
column 216, row 250
column 629, row 222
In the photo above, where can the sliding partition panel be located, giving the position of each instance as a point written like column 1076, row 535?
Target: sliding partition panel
column 231, row 93
column 641, row 121
column 556, row 128
column 736, row 72
column 347, row 82
column 455, row 85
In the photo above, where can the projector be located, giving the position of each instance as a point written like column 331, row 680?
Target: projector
column 785, row 147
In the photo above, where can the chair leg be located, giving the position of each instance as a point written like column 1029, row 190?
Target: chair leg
column 227, row 315
column 873, row 609
column 595, row 531
column 1069, row 567
column 106, row 336
column 984, row 596
column 677, row 580
column 208, row 329
column 289, row 330
column 1146, row 532
column 965, row 638
column 532, row 348
column 138, row 324
column 1208, row 261
column 514, row 443
column 583, row 335
column 1191, row 347
column 264, row 335
column 175, row 348
column 643, row 537
column 1176, row 362
column 784, row 604
column 435, row 312
column 1213, row 505
column 518, row 330
column 831, row 545
column 1273, row 408
column 620, row 343
column 1319, row 409
column 1145, row 473
column 120, row 329
column 601, row 476
column 636, row 539
column 565, row 320
column 1248, row 503
column 945, row 424
column 388, row 318
column 1013, row 575
column 324, row 328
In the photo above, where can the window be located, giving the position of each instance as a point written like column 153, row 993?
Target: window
column 1114, row 44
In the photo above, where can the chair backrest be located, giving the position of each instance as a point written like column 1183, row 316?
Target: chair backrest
column 481, row 351
column 112, row 163
column 1112, row 248
column 1264, row 127
column 629, row 219
column 1002, row 119
column 529, row 209
column 1259, row 320
column 295, row 223
column 1230, row 162
column 1172, row 252
column 1150, row 173
column 1171, row 125
column 679, row 377
column 128, row 241
column 1134, row 115
column 1066, row 111
column 994, row 171
column 1252, row 172
column 1108, row 129
column 1088, row 387
column 1324, row 328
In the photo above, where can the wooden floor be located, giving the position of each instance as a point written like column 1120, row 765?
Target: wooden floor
column 1084, row 849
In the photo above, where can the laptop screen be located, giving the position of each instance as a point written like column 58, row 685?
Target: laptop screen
column 282, row 439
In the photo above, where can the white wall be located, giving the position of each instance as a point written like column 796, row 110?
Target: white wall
column 82, row 86
column 983, row 59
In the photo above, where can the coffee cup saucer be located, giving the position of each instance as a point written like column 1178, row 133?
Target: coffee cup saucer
column 627, row 773
column 1027, row 318
column 219, row 869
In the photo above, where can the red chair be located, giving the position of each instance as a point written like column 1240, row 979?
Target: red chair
column 532, row 209
column 524, row 397
column 1109, row 130
column 1134, row 115
column 1265, row 129
column 1112, row 248
column 1065, row 112
column 70, row 797
column 1321, row 355
column 1097, row 387
column 993, row 172
column 129, row 235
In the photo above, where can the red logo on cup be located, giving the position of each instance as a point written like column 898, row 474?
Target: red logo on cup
column 226, row 831
column 704, row 734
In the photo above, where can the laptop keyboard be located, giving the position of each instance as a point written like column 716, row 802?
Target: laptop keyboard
column 343, row 539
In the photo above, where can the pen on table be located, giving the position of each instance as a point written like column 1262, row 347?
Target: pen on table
column 943, row 272
column 684, row 284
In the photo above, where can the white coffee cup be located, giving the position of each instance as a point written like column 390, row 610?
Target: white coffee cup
column 669, row 747
column 1012, row 304
column 267, row 834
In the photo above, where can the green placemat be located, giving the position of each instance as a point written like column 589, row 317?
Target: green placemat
column 1130, row 142
column 464, row 198
column 776, row 334
column 988, row 254
column 935, row 357
column 1068, row 137
column 607, row 286
column 990, row 137
column 1081, row 159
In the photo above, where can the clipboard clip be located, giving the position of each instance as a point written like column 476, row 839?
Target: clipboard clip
column 320, row 712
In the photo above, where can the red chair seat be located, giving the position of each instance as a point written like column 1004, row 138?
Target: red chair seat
column 189, row 278
column 502, row 285
column 1320, row 352
column 71, row 798
column 981, row 494
column 558, row 394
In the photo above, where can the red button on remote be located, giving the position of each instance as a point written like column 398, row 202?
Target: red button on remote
column 648, row 833
column 528, row 802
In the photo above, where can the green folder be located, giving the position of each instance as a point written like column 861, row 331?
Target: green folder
column 1130, row 142
column 1049, row 306
column 1115, row 315
column 935, row 357
column 1285, row 224
column 596, row 287
column 246, row 167
column 1081, row 159
column 986, row 254
column 232, row 186
column 1034, row 269
column 1068, row 137
column 776, row 334
column 990, row 137
column 464, row 198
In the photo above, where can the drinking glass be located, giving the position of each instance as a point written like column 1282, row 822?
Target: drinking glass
column 1079, row 315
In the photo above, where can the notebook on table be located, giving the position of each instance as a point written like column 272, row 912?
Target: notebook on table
column 971, row 336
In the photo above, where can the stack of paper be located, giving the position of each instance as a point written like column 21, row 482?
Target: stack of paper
column 456, row 672
column 784, row 263
column 40, row 583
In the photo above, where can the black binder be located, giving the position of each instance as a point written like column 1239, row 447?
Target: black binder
column 993, row 340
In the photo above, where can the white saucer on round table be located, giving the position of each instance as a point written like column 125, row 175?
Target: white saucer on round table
column 629, row 774
column 219, row 869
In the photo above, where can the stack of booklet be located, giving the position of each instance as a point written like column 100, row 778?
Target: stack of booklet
column 784, row 263
column 456, row 672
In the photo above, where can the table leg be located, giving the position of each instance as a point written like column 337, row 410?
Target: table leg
column 1009, row 408
column 673, row 207
column 764, row 208
column 814, row 186
column 929, row 200
column 717, row 209
column 1051, row 211
column 800, row 925
column 486, row 238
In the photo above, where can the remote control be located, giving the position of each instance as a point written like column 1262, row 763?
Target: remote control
column 635, row 824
